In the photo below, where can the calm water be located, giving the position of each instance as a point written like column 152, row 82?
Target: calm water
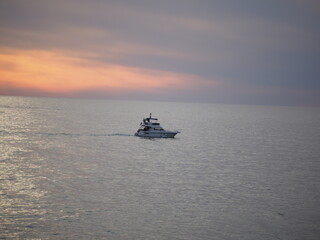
column 72, row 169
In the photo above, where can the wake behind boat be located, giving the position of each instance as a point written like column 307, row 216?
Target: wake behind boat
column 150, row 128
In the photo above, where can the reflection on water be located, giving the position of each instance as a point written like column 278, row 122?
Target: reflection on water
column 20, row 196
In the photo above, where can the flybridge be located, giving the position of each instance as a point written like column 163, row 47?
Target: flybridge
column 150, row 120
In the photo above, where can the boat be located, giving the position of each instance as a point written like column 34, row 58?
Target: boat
column 151, row 128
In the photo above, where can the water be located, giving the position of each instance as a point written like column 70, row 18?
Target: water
column 72, row 169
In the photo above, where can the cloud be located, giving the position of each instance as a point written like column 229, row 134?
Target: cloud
column 55, row 72
column 125, row 30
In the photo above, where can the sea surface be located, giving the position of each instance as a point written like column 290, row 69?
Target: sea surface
column 73, row 169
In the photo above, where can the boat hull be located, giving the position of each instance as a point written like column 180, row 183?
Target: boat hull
column 162, row 134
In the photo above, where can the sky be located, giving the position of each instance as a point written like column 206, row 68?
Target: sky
column 217, row 51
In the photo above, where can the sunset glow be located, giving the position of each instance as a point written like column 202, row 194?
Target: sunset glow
column 58, row 73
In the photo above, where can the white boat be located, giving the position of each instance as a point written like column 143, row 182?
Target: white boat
column 150, row 128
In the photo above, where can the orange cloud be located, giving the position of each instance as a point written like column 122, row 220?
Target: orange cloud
column 56, row 72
